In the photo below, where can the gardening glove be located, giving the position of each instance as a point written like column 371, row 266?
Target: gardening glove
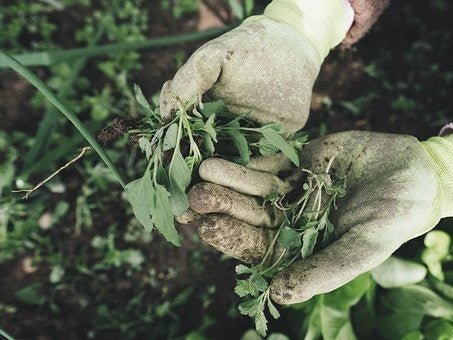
column 366, row 13
column 397, row 189
column 266, row 67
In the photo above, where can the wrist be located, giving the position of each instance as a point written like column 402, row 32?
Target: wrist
column 324, row 23
column 440, row 150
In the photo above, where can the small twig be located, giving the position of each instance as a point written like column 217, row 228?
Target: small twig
column 40, row 184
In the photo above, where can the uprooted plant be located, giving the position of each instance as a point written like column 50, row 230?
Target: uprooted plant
column 175, row 148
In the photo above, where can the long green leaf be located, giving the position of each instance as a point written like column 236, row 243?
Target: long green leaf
column 52, row 57
column 35, row 81
column 274, row 138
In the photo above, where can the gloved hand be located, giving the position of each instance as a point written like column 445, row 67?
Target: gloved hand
column 397, row 189
column 266, row 67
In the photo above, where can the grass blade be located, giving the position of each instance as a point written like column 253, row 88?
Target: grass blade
column 36, row 82
column 52, row 57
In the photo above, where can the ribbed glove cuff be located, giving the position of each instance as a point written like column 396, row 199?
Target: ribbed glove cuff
column 441, row 151
column 324, row 22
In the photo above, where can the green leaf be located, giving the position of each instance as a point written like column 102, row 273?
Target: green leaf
column 140, row 98
column 209, row 127
column 419, row 299
column 251, row 307
column 241, row 145
column 212, row 108
column 272, row 309
column 139, row 194
column 336, row 324
column 397, row 324
column 242, row 269
column 439, row 330
column 208, row 143
column 349, row 294
column 415, row 335
column 171, row 137
column 288, row 238
column 162, row 216
column 274, row 138
column 437, row 249
column 242, row 288
column 308, row 242
column 31, row 294
column 314, row 324
column 145, row 146
column 259, row 282
column 261, row 323
column 395, row 272
column 180, row 177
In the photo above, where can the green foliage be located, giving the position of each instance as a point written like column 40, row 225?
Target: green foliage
column 186, row 140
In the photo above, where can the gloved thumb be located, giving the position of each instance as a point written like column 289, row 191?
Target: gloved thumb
column 192, row 80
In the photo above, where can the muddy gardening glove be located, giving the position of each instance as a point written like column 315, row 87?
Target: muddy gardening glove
column 266, row 67
column 397, row 189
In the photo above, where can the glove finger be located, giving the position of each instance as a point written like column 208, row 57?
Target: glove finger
column 188, row 217
column 271, row 164
column 193, row 79
column 235, row 238
column 241, row 179
column 356, row 252
column 207, row 198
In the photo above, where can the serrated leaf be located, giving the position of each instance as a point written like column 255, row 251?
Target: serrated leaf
column 242, row 269
column 139, row 193
column 308, row 242
column 261, row 324
column 274, row 138
column 259, row 282
column 244, row 288
column 162, row 216
column 251, row 307
column 241, row 145
column 212, row 108
column 171, row 137
column 272, row 309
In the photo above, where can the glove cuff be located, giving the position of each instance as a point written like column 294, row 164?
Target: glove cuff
column 325, row 23
column 440, row 150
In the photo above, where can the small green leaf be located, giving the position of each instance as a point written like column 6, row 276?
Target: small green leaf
column 212, row 108
column 209, row 128
column 242, row 269
column 161, row 214
column 261, row 323
column 208, row 143
column 437, row 249
column 31, row 294
column 171, row 137
column 251, row 307
column 272, row 309
column 289, row 238
column 180, row 177
column 244, row 288
column 274, row 138
column 139, row 193
column 241, row 145
column 145, row 146
column 308, row 242
column 140, row 98
column 395, row 272
column 259, row 282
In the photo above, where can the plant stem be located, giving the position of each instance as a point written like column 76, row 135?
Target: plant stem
column 36, row 82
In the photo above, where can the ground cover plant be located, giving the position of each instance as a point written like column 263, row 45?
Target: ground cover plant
column 75, row 262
